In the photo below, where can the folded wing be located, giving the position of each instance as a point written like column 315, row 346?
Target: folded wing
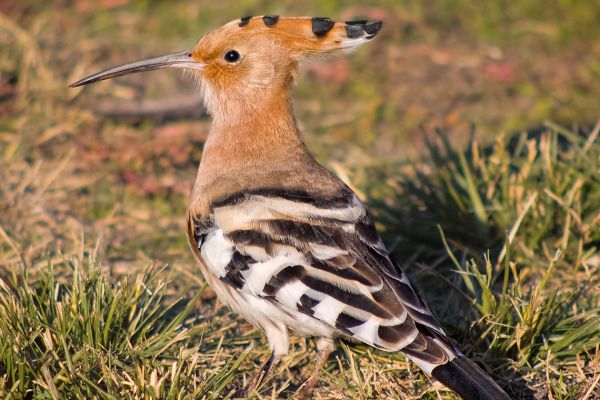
column 321, row 257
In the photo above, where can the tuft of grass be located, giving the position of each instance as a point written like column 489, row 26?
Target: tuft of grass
column 519, row 222
column 531, row 328
column 72, row 334
column 542, row 187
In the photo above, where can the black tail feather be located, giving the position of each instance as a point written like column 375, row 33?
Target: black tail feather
column 468, row 380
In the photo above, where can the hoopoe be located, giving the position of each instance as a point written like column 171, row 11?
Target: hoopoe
column 282, row 240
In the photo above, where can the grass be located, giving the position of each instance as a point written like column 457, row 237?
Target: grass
column 522, row 219
column 87, row 338
column 500, row 232
column 528, row 312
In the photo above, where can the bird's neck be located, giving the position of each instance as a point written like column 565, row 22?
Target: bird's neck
column 250, row 140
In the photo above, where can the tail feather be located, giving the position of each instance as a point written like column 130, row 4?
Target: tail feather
column 468, row 380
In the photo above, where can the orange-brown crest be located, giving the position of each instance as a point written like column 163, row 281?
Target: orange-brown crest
column 264, row 51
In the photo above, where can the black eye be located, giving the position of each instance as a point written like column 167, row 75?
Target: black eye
column 231, row 56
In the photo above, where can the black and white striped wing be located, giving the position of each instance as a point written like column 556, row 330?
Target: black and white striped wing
column 322, row 258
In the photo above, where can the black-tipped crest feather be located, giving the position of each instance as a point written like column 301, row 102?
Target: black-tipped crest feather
column 270, row 20
column 320, row 26
column 245, row 20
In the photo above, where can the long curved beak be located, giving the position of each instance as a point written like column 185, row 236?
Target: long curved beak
column 182, row 60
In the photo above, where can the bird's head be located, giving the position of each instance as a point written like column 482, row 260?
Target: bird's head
column 247, row 59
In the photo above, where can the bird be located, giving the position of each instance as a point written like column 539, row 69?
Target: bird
column 282, row 240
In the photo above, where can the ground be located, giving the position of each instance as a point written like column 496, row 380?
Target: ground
column 92, row 202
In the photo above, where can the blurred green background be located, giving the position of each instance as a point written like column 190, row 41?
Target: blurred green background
column 501, row 65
